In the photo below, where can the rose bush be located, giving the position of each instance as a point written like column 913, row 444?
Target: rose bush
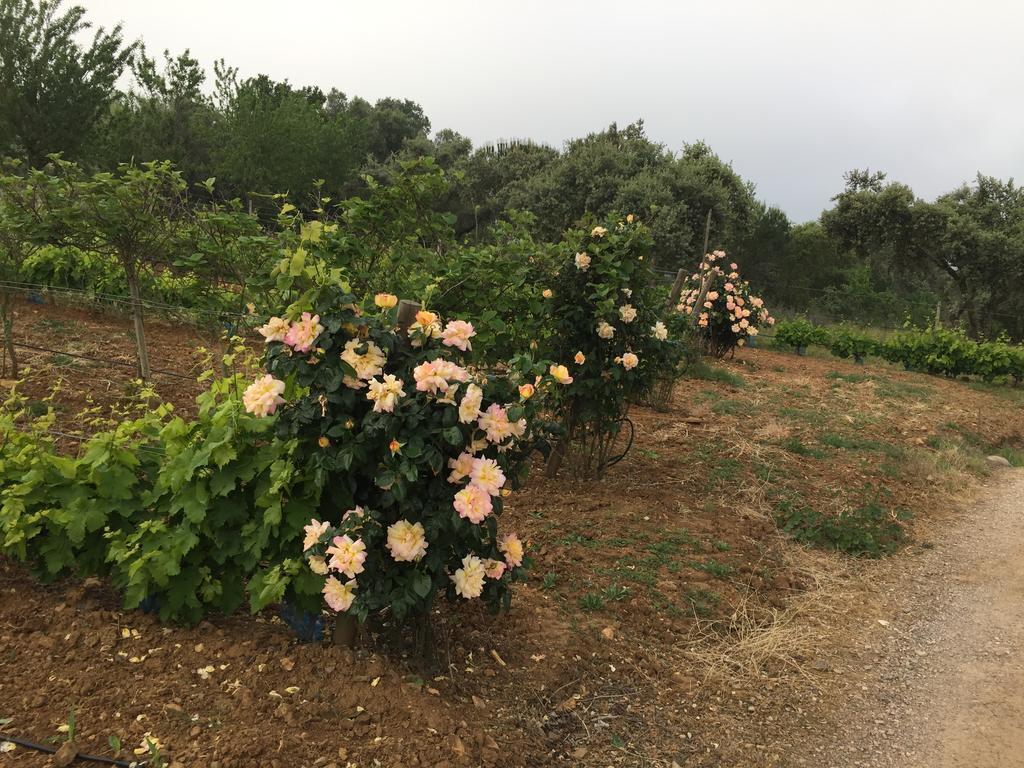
column 415, row 450
column 728, row 313
column 604, row 318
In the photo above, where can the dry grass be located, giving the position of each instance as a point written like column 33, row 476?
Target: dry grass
column 753, row 643
column 758, row 644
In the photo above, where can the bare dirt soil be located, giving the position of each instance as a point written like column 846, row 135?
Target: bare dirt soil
column 667, row 621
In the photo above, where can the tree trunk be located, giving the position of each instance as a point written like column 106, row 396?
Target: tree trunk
column 7, row 312
column 140, row 329
column 561, row 448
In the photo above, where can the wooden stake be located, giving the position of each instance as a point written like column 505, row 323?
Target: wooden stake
column 407, row 314
column 140, row 329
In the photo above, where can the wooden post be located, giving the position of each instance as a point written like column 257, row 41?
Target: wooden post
column 7, row 310
column 407, row 314
column 677, row 286
column 346, row 628
column 140, row 329
column 677, row 289
column 938, row 314
column 707, row 234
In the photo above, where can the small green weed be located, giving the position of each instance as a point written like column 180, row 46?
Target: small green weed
column 577, row 538
column 870, row 530
column 716, row 569
column 592, row 601
column 613, row 593
column 796, row 445
column 63, row 361
column 702, row 601
column 701, row 370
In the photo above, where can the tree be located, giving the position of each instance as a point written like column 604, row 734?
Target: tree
column 26, row 199
column 135, row 214
column 973, row 237
column 52, row 90
column 164, row 116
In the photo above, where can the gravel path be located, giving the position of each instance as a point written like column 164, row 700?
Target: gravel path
column 936, row 680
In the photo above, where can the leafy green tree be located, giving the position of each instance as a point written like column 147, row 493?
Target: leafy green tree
column 164, row 116
column 52, row 89
column 972, row 237
column 26, row 199
column 135, row 215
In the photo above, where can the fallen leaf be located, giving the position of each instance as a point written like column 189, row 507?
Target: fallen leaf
column 457, row 746
column 65, row 756
column 497, row 658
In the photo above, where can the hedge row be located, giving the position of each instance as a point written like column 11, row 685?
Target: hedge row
column 939, row 351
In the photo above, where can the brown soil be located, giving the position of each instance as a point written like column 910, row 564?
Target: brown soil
column 666, row 620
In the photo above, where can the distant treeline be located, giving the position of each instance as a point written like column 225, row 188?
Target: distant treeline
column 878, row 256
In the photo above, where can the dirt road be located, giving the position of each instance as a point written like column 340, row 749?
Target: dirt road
column 937, row 679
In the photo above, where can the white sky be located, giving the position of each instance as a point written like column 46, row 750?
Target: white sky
column 792, row 92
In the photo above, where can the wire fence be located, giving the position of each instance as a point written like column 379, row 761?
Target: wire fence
column 41, row 289
column 148, row 450
column 221, row 321
column 104, row 360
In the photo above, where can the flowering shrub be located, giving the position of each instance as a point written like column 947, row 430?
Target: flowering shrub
column 504, row 285
column 728, row 313
column 604, row 319
column 415, row 450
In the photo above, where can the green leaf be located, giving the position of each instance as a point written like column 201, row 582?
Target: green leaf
column 453, row 435
column 421, row 584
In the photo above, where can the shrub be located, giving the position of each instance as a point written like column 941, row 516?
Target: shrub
column 604, row 320
column 800, row 333
column 847, row 342
column 502, row 285
column 411, row 450
column 56, row 511
column 728, row 313
column 937, row 351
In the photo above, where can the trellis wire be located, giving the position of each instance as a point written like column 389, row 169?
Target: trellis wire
column 156, row 452
column 100, row 360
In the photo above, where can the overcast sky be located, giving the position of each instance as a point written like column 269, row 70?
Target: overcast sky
column 792, row 92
